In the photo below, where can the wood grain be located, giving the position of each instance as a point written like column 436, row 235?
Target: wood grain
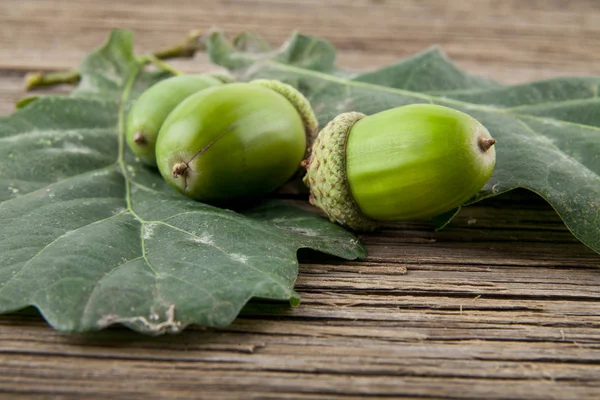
column 513, row 41
column 505, row 303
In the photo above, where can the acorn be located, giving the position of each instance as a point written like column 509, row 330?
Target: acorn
column 235, row 142
column 407, row 163
column 154, row 105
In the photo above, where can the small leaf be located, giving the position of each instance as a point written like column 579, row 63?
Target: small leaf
column 91, row 237
column 250, row 43
column 247, row 50
column 307, row 52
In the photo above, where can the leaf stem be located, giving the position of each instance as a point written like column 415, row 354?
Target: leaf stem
column 151, row 58
column 193, row 42
column 40, row 79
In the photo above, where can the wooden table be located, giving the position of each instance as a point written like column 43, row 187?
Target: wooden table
column 505, row 303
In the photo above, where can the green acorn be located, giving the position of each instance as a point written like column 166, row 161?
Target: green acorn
column 410, row 162
column 237, row 141
column 154, row 105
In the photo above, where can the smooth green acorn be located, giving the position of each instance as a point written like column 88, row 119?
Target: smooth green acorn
column 237, row 141
column 406, row 163
column 154, row 105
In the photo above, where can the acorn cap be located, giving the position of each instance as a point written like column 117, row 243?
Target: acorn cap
column 326, row 174
column 300, row 103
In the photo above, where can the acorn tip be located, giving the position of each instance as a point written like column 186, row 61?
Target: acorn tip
column 179, row 169
column 486, row 143
column 140, row 139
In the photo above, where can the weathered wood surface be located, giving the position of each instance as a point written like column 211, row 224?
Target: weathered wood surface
column 505, row 303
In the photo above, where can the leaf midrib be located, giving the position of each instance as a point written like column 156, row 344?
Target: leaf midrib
column 429, row 98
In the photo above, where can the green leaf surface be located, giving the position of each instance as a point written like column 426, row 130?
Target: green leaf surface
column 429, row 71
column 250, row 51
column 548, row 132
column 90, row 237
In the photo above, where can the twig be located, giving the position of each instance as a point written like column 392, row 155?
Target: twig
column 162, row 65
column 40, row 79
column 193, row 42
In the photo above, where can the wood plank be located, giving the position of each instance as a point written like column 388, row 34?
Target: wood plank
column 298, row 358
column 513, row 42
column 504, row 303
